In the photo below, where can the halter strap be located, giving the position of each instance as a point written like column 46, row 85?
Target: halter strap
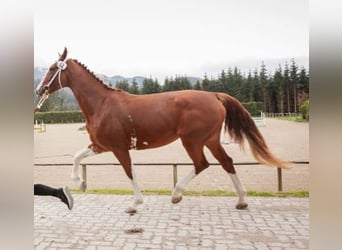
column 61, row 65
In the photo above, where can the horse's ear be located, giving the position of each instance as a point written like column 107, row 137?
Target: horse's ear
column 64, row 55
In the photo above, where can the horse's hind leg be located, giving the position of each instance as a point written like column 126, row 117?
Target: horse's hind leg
column 78, row 157
column 200, row 163
column 227, row 164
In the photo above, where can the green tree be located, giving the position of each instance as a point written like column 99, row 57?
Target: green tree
column 184, row 83
column 123, row 84
column 167, row 85
column 294, row 84
column 197, row 85
column 206, row 83
column 232, row 82
column 223, row 77
column 247, row 88
column 134, row 88
column 272, row 93
column 278, row 81
column 304, row 109
column 303, row 81
column 150, row 86
column 286, row 79
column 256, row 88
column 55, row 102
column 229, row 82
column 216, row 85
column 223, row 81
column 263, row 79
column 177, row 83
column 238, row 81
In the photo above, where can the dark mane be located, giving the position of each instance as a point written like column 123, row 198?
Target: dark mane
column 95, row 76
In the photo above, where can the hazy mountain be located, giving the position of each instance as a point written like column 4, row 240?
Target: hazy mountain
column 117, row 78
column 138, row 79
column 39, row 73
column 193, row 80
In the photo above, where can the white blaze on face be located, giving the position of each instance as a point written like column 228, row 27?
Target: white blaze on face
column 39, row 85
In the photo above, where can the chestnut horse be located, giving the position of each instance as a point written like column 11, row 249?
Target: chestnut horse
column 118, row 122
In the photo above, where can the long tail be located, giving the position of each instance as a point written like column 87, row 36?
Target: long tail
column 240, row 125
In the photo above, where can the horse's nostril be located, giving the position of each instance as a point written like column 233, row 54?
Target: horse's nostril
column 41, row 91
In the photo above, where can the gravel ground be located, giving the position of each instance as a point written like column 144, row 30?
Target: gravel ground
column 98, row 222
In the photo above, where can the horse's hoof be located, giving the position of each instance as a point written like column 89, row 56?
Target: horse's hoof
column 131, row 210
column 175, row 200
column 241, row 206
column 83, row 186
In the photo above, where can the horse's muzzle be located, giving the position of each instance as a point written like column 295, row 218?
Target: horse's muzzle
column 41, row 91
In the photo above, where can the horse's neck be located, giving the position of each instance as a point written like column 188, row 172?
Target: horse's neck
column 89, row 94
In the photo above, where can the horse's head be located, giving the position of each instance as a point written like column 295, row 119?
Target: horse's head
column 54, row 79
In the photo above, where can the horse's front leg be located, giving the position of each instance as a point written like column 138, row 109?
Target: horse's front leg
column 138, row 197
column 125, row 161
column 78, row 157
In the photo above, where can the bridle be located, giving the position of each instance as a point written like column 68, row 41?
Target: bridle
column 61, row 65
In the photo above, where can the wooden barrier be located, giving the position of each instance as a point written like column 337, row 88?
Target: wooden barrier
column 174, row 168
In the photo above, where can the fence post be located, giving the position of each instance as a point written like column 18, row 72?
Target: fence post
column 174, row 175
column 84, row 175
column 280, row 180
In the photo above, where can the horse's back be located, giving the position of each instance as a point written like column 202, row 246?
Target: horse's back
column 177, row 103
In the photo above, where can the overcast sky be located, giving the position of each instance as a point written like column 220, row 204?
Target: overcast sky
column 162, row 38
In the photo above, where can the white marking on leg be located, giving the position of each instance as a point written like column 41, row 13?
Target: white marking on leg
column 240, row 189
column 138, row 197
column 177, row 192
column 78, row 157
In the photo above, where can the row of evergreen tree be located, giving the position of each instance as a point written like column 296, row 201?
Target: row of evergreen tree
column 280, row 92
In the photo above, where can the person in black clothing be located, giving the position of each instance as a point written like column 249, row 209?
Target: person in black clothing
column 62, row 193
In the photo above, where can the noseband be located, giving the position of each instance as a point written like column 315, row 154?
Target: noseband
column 61, row 65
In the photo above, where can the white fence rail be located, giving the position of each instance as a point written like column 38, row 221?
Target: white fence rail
column 174, row 166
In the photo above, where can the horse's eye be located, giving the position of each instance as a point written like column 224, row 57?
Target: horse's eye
column 52, row 67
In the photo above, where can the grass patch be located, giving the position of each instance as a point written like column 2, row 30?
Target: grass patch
column 300, row 194
column 298, row 118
